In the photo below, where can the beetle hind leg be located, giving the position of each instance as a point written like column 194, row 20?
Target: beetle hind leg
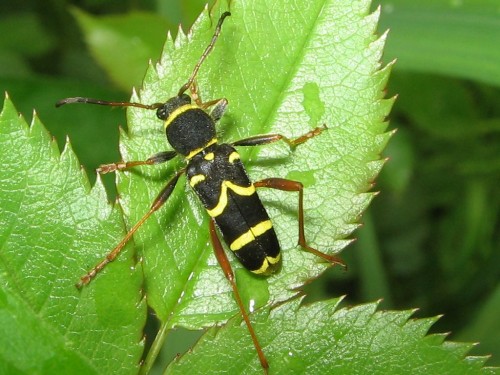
column 228, row 272
column 289, row 185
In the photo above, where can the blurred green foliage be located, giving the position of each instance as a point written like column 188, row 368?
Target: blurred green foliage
column 431, row 239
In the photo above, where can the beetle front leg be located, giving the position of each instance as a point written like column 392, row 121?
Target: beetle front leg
column 271, row 138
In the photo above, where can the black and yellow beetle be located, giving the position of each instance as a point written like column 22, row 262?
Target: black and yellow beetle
column 215, row 172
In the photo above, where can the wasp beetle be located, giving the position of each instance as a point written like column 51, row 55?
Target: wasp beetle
column 216, row 173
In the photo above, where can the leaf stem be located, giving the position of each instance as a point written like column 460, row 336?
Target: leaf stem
column 155, row 349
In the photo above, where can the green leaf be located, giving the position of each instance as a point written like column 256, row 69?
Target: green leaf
column 326, row 71
column 284, row 73
column 484, row 325
column 454, row 38
column 123, row 44
column 50, row 224
column 322, row 339
column 29, row 346
column 26, row 35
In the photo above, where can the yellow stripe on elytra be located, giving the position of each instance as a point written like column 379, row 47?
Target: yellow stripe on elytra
column 233, row 156
column 196, row 179
column 222, row 203
column 266, row 263
column 250, row 235
column 198, row 150
column 177, row 112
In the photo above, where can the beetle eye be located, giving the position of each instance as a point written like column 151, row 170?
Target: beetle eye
column 162, row 112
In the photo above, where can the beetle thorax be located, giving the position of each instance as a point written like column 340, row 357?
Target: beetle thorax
column 187, row 126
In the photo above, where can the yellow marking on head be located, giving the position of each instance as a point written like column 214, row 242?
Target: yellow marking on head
column 196, row 179
column 198, row 150
column 209, row 156
column 233, row 156
column 222, row 203
column 266, row 263
column 178, row 112
column 250, row 235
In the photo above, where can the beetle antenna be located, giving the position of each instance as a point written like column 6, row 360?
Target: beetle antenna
column 80, row 99
column 205, row 54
